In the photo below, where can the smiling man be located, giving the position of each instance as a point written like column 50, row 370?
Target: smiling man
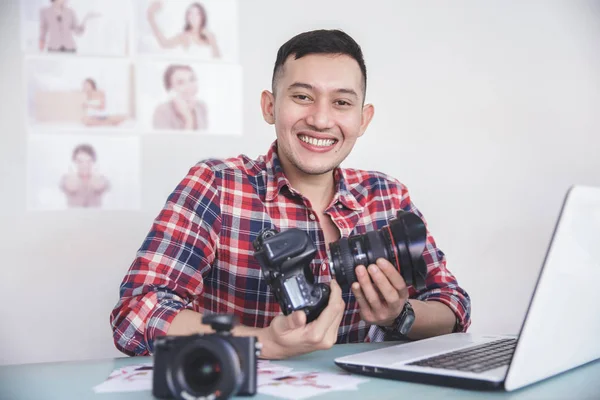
column 198, row 256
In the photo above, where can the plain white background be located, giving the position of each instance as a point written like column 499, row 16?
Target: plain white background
column 219, row 87
column 50, row 157
column 222, row 21
column 106, row 34
column 52, row 73
column 488, row 111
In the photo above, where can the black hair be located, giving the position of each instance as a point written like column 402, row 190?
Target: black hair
column 320, row 41
column 84, row 148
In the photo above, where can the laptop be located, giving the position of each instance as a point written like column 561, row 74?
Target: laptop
column 559, row 332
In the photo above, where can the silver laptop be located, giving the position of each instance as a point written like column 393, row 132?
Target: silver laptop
column 560, row 330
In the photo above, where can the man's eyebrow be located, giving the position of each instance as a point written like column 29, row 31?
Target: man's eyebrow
column 351, row 92
column 302, row 85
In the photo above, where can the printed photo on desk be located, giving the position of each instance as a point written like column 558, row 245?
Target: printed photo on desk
column 79, row 171
column 186, row 97
column 79, row 93
column 203, row 30
column 75, row 27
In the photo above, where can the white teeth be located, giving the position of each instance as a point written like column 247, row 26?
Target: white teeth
column 317, row 142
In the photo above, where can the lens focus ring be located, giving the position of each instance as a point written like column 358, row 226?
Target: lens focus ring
column 347, row 261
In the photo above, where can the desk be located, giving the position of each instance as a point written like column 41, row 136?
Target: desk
column 74, row 380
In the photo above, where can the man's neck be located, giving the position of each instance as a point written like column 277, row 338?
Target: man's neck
column 318, row 189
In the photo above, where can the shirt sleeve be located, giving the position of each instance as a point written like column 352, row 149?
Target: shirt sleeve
column 168, row 272
column 440, row 284
column 75, row 25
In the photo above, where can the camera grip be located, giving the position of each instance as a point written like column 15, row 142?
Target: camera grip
column 314, row 312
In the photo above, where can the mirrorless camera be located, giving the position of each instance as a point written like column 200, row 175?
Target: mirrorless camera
column 285, row 259
column 207, row 366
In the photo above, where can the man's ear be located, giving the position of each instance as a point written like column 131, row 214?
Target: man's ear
column 267, row 104
column 367, row 115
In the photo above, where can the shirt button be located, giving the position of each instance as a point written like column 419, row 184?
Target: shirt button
column 340, row 205
column 311, row 216
column 323, row 267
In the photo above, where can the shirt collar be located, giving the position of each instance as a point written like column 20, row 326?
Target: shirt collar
column 348, row 190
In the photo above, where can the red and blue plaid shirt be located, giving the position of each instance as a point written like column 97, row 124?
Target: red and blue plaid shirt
column 199, row 254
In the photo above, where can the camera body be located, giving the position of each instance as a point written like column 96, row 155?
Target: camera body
column 216, row 365
column 285, row 259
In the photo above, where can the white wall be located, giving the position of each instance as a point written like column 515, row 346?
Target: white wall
column 488, row 111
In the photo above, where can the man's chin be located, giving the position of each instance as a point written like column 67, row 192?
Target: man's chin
column 316, row 171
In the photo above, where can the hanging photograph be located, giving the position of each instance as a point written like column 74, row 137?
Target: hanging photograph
column 189, row 97
column 74, row 93
column 84, row 27
column 203, row 30
column 83, row 172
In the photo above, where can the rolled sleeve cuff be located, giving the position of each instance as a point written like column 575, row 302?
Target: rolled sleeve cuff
column 160, row 320
column 455, row 304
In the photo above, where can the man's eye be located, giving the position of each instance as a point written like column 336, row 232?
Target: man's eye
column 342, row 103
column 301, row 97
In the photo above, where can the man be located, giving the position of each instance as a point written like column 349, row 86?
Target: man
column 198, row 257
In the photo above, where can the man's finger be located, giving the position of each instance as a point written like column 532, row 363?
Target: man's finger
column 333, row 309
column 363, row 304
column 296, row 320
column 392, row 274
column 369, row 291
column 387, row 291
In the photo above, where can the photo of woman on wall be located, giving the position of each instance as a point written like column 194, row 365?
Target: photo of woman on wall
column 194, row 36
column 94, row 107
column 84, row 186
column 184, row 111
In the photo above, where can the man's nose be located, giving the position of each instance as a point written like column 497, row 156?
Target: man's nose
column 320, row 116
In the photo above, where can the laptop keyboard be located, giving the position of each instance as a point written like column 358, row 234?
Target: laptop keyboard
column 475, row 359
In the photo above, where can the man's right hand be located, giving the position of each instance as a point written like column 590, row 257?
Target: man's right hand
column 290, row 335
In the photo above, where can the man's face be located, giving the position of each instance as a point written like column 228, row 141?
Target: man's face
column 317, row 111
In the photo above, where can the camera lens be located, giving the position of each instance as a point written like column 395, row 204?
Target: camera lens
column 205, row 367
column 202, row 371
column 401, row 242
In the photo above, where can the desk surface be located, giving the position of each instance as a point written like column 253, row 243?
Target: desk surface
column 74, row 380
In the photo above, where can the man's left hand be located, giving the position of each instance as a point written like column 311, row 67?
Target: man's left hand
column 380, row 291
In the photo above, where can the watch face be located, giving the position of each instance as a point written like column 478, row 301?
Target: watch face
column 407, row 323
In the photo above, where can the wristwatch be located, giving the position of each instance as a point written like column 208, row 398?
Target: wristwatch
column 403, row 322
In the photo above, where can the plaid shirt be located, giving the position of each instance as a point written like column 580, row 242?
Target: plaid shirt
column 199, row 255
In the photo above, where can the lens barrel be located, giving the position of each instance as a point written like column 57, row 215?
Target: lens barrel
column 401, row 242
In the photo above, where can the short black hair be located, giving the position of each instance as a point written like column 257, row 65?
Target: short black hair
column 322, row 41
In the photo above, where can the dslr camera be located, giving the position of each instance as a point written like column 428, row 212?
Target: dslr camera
column 285, row 259
column 205, row 366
